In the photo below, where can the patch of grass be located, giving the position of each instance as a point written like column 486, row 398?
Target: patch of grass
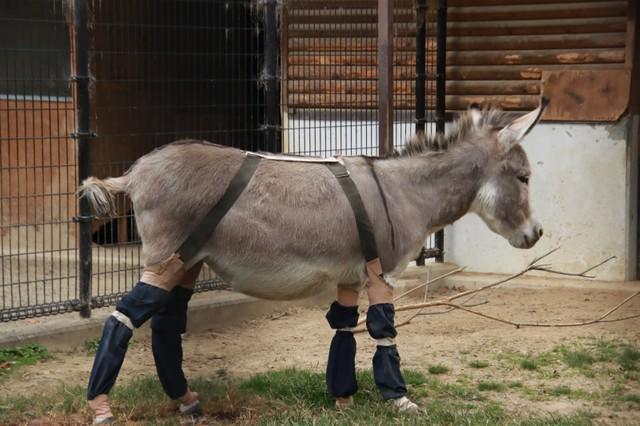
column 438, row 369
column 515, row 385
column 283, row 397
column 632, row 397
column 491, row 386
column 528, row 364
column 13, row 358
column 478, row 364
column 578, row 358
column 91, row 345
column 291, row 386
column 628, row 358
column 560, row 390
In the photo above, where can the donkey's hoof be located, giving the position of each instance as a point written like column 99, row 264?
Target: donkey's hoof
column 405, row 405
column 194, row 409
column 344, row 403
column 103, row 420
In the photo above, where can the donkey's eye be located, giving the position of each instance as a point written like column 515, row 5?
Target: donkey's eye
column 524, row 179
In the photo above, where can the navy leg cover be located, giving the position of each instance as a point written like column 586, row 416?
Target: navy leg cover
column 138, row 305
column 341, row 366
column 386, row 361
column 166, row 342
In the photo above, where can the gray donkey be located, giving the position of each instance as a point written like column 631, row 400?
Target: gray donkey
column 292, row 233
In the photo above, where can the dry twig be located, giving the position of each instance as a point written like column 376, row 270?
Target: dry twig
column 533, row 265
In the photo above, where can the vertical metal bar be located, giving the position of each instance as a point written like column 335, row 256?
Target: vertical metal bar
column 421, row 65
column 441, row 64
column 270, row 77
column 82, row 134
column 385, row 76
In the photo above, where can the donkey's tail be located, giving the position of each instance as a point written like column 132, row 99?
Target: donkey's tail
column 100, row 194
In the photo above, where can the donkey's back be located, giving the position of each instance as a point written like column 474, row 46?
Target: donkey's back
column 292, row 228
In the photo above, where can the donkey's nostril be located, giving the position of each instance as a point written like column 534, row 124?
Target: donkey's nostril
column 540, row 232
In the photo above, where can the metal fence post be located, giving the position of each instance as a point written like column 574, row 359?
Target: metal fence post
column 385, row 76
column 421, row 68
column 270, row 77
column 82, row 136
column 441, row 66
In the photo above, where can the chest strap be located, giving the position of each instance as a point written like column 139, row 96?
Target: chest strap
column 365, row 231
column 202, row 233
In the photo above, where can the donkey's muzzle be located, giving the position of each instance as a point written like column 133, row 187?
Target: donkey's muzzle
column 528, row 236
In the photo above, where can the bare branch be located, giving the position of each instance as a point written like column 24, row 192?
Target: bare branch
column 533, row 265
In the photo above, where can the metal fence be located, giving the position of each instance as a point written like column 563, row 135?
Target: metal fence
column 87, row 87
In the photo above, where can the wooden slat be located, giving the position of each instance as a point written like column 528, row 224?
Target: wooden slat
column 364, row 101
column 407, row 87
column 364, row 4
column 407, row 44
column 546, row 12
column 516, row 57
column 471, row 72
column 500, row 28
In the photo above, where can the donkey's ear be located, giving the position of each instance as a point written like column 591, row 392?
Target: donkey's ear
column 518, row 128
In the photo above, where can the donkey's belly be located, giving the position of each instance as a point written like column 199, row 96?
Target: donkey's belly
column 293, row 281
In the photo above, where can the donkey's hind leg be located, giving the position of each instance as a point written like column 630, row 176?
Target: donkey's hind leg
column 167, row 327
column 146, row 298
column 341, row 368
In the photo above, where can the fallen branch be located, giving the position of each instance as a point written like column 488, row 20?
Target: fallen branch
column 533, row 265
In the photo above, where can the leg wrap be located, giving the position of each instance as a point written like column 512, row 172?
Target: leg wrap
column 341, row 366
column 131, row 311
column 386, row 361
column 166, row 342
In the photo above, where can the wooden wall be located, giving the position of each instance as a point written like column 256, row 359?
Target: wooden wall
column 498, row 51
column 38, row 173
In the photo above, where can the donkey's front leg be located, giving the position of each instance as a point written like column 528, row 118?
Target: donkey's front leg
column 381, row 326
column 341, row 366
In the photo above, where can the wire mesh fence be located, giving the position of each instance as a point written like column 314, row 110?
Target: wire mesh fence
column 298, row 77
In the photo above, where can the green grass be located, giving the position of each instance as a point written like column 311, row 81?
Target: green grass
column 478, row 364
column 491, row 386
column 11, row 359
column 438, row 369
column 528, row 364
column 283, row 397
column 560, row 390
column 578, row 358
column 628, row 358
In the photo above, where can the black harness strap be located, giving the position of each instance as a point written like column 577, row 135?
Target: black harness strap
column 202, row 233
column 365, row 231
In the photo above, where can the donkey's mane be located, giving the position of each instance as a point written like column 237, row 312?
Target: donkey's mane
column 489, row 119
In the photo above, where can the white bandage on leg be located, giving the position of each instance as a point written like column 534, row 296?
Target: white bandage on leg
column 123, row 319
column 385, row 341
column 349, row 329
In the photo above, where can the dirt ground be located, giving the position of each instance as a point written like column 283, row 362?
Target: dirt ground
column 299, row 337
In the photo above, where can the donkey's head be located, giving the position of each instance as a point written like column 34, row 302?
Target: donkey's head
column 502, row 200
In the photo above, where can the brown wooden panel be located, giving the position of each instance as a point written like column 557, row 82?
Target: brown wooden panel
column 368, row 101
column 548, row 41
column 407, row 87
column 586, row 95
column 516, row 57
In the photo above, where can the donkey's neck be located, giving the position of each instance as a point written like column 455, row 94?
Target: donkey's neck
column 428, row 192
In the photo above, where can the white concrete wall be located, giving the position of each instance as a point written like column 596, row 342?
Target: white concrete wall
column 579, row 192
